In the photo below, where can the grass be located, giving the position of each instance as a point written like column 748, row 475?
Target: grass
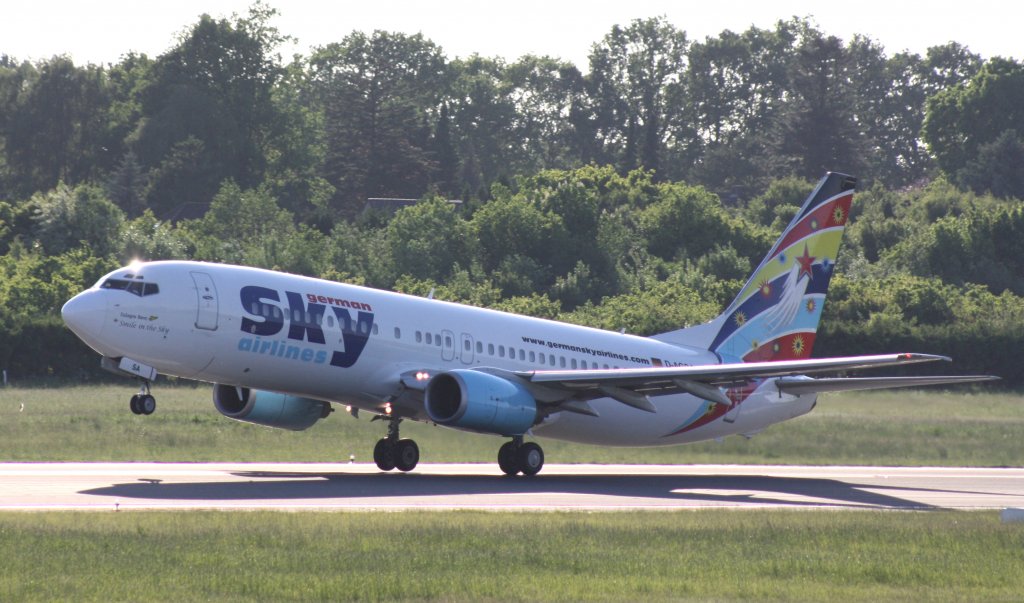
column 696, row 555
column 905, row 428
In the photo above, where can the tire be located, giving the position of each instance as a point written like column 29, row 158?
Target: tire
column 134, row 405
column 507, row 459
column 384, row 455
column 406, row 455
column 531, row 458
column 147, row 404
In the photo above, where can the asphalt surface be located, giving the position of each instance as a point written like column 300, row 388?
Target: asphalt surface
column 127, row 486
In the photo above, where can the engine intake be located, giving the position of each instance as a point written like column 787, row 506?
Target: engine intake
column 480, row 402
column 268, row 408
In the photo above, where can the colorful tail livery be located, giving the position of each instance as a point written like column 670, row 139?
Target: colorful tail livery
column 776, row 314
column 409, row 358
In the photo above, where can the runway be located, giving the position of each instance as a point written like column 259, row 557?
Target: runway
column 317, row 486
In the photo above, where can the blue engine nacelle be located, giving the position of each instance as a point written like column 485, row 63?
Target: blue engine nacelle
column 480, row 402
column 268, row 408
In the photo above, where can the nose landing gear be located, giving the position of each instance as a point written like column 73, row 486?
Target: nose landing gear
column 143, row 403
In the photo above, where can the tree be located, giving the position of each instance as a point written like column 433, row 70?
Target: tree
column 482, row 108
column 67, row 218
column 426, row 240
column 380, row 96
column 208, row 108
column 57, row 127
column 961, row 119
column 998, row 169
column 636, row 75
column 736, row 85
column 818, row 129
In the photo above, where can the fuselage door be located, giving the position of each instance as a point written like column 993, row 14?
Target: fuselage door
column 206, row 294
column 466, row 349
column 447, row 345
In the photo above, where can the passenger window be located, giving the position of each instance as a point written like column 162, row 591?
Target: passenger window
column 430, row 339
column 437, row 340
column 533, row 357
column 398, row 333
column 490, row 349
column 574, row 363
column 551, row 358
column 466, row 345
column 501, row 351
column 479, row 348
column 419, row 337
column 512, row 353
column 522, row 354
column 561, row 361
column 541, row 358
column 447, row 341
column 330, row 321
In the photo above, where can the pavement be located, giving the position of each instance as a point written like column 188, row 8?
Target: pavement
column 329, row 486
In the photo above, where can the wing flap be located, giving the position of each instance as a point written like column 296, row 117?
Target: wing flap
column 796, row 386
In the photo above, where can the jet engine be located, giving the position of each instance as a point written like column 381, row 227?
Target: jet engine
column 480, row 402
column 268, row 408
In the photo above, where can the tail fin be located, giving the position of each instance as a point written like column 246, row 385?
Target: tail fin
column 776, row 314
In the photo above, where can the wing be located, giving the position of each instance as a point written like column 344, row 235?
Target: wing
column 633, row 386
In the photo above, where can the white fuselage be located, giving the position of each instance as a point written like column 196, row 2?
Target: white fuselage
column 342, row 343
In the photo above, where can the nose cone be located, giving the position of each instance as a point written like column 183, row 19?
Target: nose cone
column 86, row 314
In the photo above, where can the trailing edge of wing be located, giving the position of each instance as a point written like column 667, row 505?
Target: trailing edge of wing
column 798, row 386
column 665, row 378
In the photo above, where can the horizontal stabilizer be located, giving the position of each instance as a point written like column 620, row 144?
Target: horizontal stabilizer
column 797, row 386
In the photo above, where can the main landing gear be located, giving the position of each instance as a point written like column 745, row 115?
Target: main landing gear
column 393, row 453
column 143, row 403
column 520, row 457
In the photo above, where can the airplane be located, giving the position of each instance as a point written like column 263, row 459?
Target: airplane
column 281, row 350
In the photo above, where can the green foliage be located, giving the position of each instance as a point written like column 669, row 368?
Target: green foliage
column 426, row 240
column 684, row 222
column 968, row 115
column 146, row 238
column 596, row 195
column 665, row 306
column 66, row 218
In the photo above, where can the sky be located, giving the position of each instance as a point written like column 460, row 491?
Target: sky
column 101, row 31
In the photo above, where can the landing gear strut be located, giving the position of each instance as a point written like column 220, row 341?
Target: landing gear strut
column 394, row 453
column 143, row 403
column 520, row 457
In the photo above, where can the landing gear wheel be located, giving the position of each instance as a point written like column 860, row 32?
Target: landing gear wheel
column 146, row 404
column 384, row 455
column 531, row 458
column 406, row 455
column 507, row 459
column 134, row 404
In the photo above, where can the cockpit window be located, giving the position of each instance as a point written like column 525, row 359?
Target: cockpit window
column 134, row 287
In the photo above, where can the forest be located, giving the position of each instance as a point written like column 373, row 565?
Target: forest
column 636, row 192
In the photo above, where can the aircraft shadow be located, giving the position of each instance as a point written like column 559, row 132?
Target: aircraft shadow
column 342, row 488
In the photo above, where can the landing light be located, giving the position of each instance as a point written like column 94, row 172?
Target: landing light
column 422, row 376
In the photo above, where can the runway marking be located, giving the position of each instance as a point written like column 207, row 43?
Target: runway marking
column 319, row 486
